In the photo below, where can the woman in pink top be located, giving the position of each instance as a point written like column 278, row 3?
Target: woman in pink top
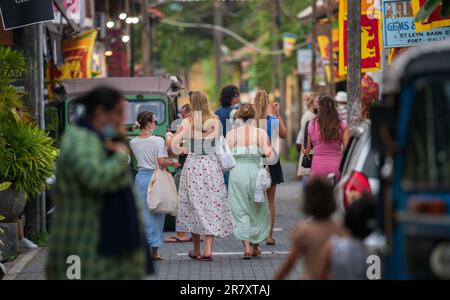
column 327, row 133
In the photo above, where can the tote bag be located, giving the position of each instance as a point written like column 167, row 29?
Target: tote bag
column 162, row 196
column 224, row 155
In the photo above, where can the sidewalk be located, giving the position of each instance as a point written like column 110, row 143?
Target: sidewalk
column 228, row 263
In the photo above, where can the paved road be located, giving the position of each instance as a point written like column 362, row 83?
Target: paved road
column 228, row 263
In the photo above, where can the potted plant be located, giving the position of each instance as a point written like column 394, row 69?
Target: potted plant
column 27, row 153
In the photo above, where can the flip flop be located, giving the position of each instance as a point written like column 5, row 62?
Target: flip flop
column 258, row 253
column 175, row 239
column 157, row 258
column 247, row 256
column 205, row 258
column 191, row 254
column 270, row 243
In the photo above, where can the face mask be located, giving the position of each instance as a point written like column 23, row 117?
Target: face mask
column 109, row 131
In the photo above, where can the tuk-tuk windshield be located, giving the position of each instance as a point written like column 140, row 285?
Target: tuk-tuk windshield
column 136, row 106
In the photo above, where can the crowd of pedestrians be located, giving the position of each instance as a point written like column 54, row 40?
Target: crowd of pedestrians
column 105, row 220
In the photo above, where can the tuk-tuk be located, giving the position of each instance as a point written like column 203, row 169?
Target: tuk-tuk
column 156, row 94
column 411, row 130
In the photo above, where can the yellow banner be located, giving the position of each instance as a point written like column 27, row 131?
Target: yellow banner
column 77, row 57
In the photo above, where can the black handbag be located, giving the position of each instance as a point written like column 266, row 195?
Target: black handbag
column 307, row 159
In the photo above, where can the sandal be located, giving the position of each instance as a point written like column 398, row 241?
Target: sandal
column 205, row 258
column 157, row 258
column 257, row 253
column 270, row 242
column 175, row 239
column 191, row 254
column 247, row 256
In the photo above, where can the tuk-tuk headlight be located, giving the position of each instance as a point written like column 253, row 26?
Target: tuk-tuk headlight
column 440, row 260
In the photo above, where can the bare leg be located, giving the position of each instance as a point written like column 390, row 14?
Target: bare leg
column 155, row 253
column 256, row 250
column 196, row 243
column 247, row 248
column 271, row 198
column 208, row 245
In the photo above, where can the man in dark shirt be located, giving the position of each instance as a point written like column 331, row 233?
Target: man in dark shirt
column 229, row 97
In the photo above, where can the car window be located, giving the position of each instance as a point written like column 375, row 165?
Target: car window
column 353, row 155
column 346, row 155
column 427, row 150
column 371, row 164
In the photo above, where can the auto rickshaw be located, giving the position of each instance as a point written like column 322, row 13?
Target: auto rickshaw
column 411, row 130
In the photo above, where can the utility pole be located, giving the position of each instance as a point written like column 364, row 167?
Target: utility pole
column 218, row 40
column 354, row 62
column 331, row 85
column 34, row 101
column 313, row 41
column 146, row 33
column 278, row 44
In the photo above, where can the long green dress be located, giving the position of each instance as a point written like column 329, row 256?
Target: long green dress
column 251, row 219
column 84, row 175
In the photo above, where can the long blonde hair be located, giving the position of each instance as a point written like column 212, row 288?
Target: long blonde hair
column 199, row 102
column 261, row 105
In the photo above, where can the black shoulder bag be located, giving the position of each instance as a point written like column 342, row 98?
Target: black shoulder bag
column 307, row 159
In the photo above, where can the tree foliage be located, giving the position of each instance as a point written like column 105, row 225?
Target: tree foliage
column 27, row 154
column 177, row 49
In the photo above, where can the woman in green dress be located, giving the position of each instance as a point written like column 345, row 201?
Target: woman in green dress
column 248, row 144
column 97, row 230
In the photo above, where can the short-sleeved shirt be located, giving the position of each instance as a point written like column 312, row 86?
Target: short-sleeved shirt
column 307, row 116
column 148, row 150
column 224, row 114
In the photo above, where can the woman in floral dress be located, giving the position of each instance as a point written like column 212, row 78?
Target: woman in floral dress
column 203, row 204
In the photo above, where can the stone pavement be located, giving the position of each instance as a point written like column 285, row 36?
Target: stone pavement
column 228, row 263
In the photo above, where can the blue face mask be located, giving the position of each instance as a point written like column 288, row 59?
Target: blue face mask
column 109, row 131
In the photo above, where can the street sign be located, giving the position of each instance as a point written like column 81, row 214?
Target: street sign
column 20, row 13
column 399, row 29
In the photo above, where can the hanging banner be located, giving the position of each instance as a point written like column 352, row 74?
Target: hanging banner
column 289, row 40
column 371, row 37
column 324, row 44
column 434, row 21
column 77, row 58
column 399, row 28
column 20, row 13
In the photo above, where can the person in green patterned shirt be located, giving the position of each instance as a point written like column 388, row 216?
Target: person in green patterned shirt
column 97, row 221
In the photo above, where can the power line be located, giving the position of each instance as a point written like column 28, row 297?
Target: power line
column 233, row 35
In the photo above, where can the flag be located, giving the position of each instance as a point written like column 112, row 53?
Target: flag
column 434, row 21
column 289, row 40
column 323, row 42
column 371, row 37
column 77, row 58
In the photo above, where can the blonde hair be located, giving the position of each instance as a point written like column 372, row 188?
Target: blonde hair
column 199, row 103
column 261, row 105
column 309, row 99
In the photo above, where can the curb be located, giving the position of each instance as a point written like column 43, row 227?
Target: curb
column 19, row 264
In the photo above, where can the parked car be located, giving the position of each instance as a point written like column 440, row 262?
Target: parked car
column 359, row 168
